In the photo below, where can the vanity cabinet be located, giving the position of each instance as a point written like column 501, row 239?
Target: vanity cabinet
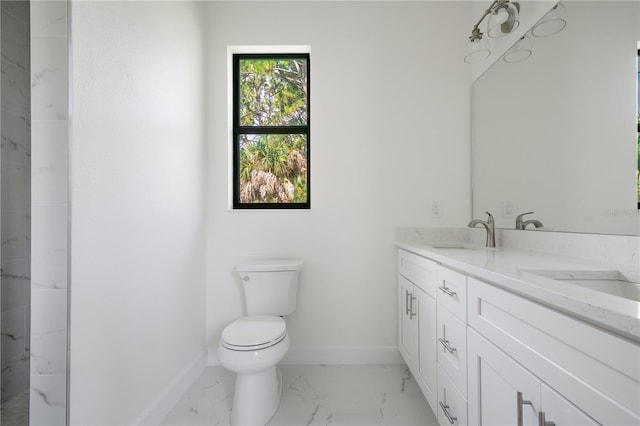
column 486, row 356
column 417, row 320
column 566, row 371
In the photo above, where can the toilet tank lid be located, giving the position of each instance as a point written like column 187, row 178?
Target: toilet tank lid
column 271, row 266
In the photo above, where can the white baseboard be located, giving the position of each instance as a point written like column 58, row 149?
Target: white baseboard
column 343, row 355
column 162, row 405
column 334, row 355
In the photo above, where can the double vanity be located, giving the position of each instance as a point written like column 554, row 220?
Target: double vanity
column 515, row 337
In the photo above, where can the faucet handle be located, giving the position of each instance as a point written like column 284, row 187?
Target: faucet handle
column 519, row 217
column 519, row 223
column 490, row 219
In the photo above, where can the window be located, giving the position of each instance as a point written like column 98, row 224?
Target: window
column 271, row 131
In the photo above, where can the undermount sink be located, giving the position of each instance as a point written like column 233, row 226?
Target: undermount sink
column 467, row 246
column 448, row 245
column 606, row 281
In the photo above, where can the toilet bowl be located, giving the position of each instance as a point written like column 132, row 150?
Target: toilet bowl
column 251, row 347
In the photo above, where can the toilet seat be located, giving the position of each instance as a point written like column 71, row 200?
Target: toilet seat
column 253, row 333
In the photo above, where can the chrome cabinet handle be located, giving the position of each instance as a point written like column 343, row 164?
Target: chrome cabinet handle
column 520, row 403
column 443, row 288
column 542, row 420
column 411, row 313
column 445, row 409
column 447, row 346
column 406, row 302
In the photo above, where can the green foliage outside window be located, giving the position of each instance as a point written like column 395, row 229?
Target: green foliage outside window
column 271, row 130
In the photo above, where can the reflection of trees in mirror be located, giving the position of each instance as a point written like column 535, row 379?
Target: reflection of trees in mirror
column 272, row 98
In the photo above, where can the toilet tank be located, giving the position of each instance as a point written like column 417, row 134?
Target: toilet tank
column 270, row 286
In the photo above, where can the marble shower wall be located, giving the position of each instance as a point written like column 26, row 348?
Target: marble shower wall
column 49, row 100
column 15, row 203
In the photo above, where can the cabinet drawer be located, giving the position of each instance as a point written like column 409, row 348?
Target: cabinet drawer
column 450, row 398
column 419, row 270
column 452, row 291
column 452, row 347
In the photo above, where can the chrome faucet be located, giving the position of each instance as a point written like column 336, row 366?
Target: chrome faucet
column 520, row 224
column 489, row 225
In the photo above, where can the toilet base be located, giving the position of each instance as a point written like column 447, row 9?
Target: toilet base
column 256, row 397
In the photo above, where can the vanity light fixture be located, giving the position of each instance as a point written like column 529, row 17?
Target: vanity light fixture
column 503, row 19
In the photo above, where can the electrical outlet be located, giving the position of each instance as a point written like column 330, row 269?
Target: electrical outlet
column 436, row 210
column 507, row 209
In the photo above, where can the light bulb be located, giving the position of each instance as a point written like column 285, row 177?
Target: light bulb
column 501, row 16
column 504, row 20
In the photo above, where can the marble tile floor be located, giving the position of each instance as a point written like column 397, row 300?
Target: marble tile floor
column 15, row 412
column 362, row 395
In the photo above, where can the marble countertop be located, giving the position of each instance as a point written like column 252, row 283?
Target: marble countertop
column 510, row 268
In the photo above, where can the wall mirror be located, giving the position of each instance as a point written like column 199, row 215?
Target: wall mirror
column 556, row 134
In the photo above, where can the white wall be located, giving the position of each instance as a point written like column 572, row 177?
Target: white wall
column 389, row 135
column 137, row 199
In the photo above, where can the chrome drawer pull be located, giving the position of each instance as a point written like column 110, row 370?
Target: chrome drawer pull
column 445, row 409
column 406, row 302
column 443, row 288
column 520, row 403
column 447, row 346
column 411, row 313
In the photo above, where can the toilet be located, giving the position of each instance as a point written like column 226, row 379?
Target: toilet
column 251, row 346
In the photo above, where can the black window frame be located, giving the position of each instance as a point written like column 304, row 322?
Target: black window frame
column 266, row 130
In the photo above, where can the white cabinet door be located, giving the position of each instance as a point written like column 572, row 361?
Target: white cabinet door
column 558, row 410
column 426, row 371
column 495, row 381
column 406, row 335
column 417, row 336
